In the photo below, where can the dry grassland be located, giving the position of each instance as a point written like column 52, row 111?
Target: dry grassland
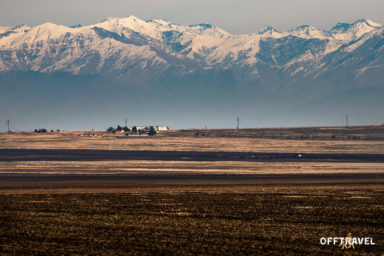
column 193, row 207
column 163, row 142
column 188, row 167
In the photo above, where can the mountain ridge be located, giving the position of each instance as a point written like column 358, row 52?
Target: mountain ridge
column 201, row 66
column 204, row 44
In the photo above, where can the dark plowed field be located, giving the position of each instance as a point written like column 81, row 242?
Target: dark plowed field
column 190, row 223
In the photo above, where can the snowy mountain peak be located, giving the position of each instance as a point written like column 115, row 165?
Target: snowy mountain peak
column 114, row 22
column 11, row 30
column 348, row 32
column 49, row 27
column 129, row 18
column 268, row 29
column 41, row 33
column 202, row 26
column 340, row 27
column 307, row 31
column 160, row 22
column 20, row 28
column 307, row 28
column 368, row 22
column 125, row 26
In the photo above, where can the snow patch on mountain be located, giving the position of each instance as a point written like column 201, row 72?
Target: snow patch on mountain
column 350, row 32
column 371, row 23
column 269, row 31
column 307, row 32
column 4, row 29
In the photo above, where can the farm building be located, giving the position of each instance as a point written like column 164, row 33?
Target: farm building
column 161, row 128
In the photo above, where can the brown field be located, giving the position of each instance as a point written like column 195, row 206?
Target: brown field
column 268, row 223
column 188, row 167
column 191, row 206
column 214, row 141
column 373, row 132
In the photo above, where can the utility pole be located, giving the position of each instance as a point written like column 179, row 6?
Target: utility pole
column 126, row 122
column 346, row 120
column 8, row 125
column 238, row 123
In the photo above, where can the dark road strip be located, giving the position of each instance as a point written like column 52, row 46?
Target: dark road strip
column 116, row 155
column 191, row 176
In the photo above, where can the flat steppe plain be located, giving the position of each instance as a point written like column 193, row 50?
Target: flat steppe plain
column 221, row 192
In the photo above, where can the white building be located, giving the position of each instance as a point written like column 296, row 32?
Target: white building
column 157, row 128
column 161, row 128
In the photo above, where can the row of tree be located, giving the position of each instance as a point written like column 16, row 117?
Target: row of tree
column 42, row 130
column 150, row 130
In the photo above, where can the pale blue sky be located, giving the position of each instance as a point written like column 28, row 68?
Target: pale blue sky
column 235, row 16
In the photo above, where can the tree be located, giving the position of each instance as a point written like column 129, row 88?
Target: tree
column 134, row 129
column 152, row 131
column 111, row 129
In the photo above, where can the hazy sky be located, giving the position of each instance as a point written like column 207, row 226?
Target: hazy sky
column 235, row 16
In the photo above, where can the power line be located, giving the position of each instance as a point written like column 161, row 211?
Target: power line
column 346, row 120
column 8, row 125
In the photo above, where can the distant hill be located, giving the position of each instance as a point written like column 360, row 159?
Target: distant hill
column 85, row 77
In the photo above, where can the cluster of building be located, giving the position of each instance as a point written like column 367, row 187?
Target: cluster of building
column 157, row 128
column 150, row 130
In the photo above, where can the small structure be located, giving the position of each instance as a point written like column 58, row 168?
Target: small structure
column 161, row 128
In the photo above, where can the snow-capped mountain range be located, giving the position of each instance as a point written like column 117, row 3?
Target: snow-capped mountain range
column 132, row 49
column 304, row 66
